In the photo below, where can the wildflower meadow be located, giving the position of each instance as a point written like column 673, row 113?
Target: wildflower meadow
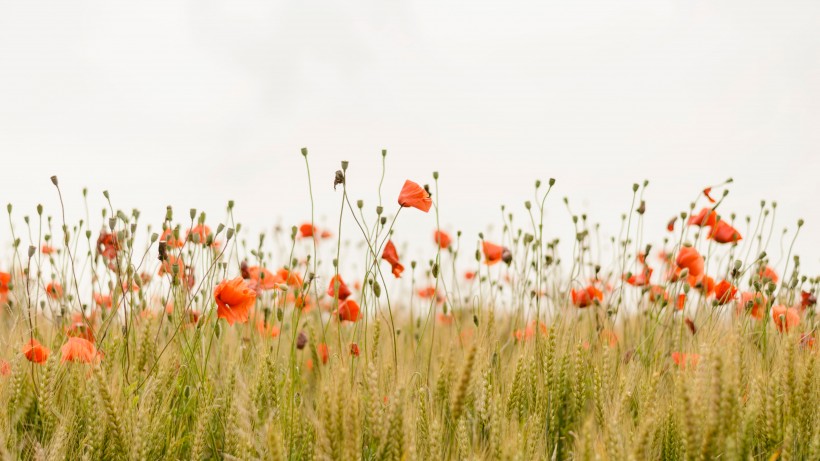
column 195, row 338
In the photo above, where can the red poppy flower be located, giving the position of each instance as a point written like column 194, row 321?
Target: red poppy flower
column 35, row 352
column 683, row 360
column 47, row 249
column 337, row 288
column 170, row 240
column 657, row 293
column 291, row 278
column 670, row 226
column 427, row 292
column 442, row 239
column 323, row 351
column 267, row 329
column 413, row 195
column 389, row 254
column 689, row 258
column 306, row 230
column 807, row 299
column 326, row 234
column 681, row 301
column 5, row 281
column 5, row 368
column 754, row 303
column 262, row 279
column 167, row 267
column 707, row 193
column 469, row 275
column 354, row 349
column 529, row 332
column 444, row 319
column 768, row 273
column 587, row 296
column 724, row 292
column 102, row 300
column 54, row 290
column 723, row 232
column 107, row 245
column 492, row 253
column 705, row 283
column 349, row 311
column 706, row 217
column 234, row 300
column 639, row 280
column 80, row 330
column 785, row 318
column 202, row 232
column 78, row 349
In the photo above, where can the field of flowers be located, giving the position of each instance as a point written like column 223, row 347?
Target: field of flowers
column 194, row 339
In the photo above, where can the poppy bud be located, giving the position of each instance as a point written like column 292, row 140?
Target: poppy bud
column 551, row 182
column 31, row 251
column 383, row 220
column 642, row 208
column 475, row 319
column 635, row 187
column 8, row 208
column 377, row 289
column 169, row 213
column 230, row 204
column 220, row 228
column 527, row 204
column 537, row 183
column 360, row 203
column 54, row 180
column 218, row 329
column 435, row 175
column 800, row 222
column 304, row 152
column 280, row 314
column 379, row 210
column 384, row 152
column 39, row 209
column 434, row 270
column 301, row 340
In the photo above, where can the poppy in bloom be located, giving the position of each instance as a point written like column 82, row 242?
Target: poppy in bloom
column 683, row 360
column 323, row 352
column 354, row 349
column 427, row 292
column 469, row 275
column 442, row 239
column 170, row 240
column 707, row 217
column 690, row 325
column 807, row 299
column 681, row 301
column 609, row 337
column 707, row 193
column 705, row 284
column 234, row 300
column 657, row 293
column 349, row 310
column 529, row 331
column 689, row 258
column 444, row 319
column 262, row 279
column 80, row 330
column 107, row 245
column 35, row 352
column 639, row 280
column 723, row 232
column 492, row 253
column 78, row 349
column 338, row 289
column 587, row 296
column 102, row 300
column 785, row 318
column 306, row 230
column 754, row 303
column 266, row 329
column 806, row 341
column 5, row 281
column 767, row 273
column 201, row 231
column 47, row 249
column 724, row 292
column 291, row 278
column 389, row 254
column 5, row 368
column 413, row 195
column 326, row 234
column 54, row 290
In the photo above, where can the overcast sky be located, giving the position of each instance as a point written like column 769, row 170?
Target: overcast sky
column 195, row 103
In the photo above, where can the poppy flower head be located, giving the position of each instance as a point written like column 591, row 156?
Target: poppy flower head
column 35, row 352
column 354, row 349
column 707, row 217
column 54, row 290
column 349, row 311
column 768, row 274
column 290, row 278
column 723, row 232
column 639, row 280
column 47, row 249
column 725, row 292
column 5, row 368
column 753, row 303
column 80, row 330
column 683, row 360
column 784, row 318
column 234, row 300
column 807, row 299
column 670, row 226
column 170, row 239
column 442, row 239
column 338, row 289
column 199, row 234
column 307, row 230
column 444, row 319
column 107, row 245
column 102, row 300
column 79, row 350
column 392, row 257
column 323, row 352
column 689, row 258
column 492, row 253
column 261, row 278
column 5, row 281
column 413, row 195
column 586, row 297
column 707, row 193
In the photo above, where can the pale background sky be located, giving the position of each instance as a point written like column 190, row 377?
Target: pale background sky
column 194, row 103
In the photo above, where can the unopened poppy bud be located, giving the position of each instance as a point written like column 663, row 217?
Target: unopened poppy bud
column 477, row 255
column 379, row 210
column 434, row 270
column 686, row 288
column 384, row 152
column 435, row 175
column 39, row 209
column 383, row 220
column 527, row 205
column 444, row 308
column 635, row 187
column 762, row 255
column 8, row 208
column 475, row 319
column 201, row 217
column 481, row 235
column 506, row 256
column 413, row 264
column 54, row 180
column 800, row 222
column 31, row 251
column 377, row 289
column 154, row 237
column 229, row 234
column 304, row 152
column 345, row 164
column 774, row 204
column 645, row 182
column 360, row 203
column 280, row 314
column 88, row 234
column 684, row 273
column 218, row 329
column 537, row 183
column 112, row 223
column 738, row 264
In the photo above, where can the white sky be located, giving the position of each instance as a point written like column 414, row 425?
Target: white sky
column 194, row 103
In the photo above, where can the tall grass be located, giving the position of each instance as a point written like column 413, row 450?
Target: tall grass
column 503, row 365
